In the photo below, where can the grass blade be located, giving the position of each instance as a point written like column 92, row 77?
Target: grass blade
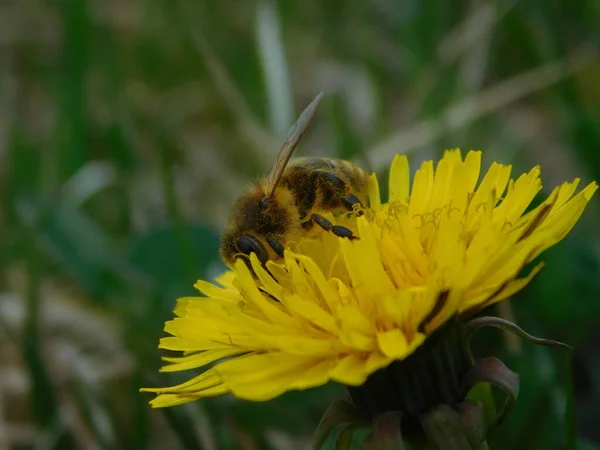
column 275, row 69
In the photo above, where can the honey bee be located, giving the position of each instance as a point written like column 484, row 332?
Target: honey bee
column 291, row 199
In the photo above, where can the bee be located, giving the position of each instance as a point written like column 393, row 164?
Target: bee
column 291, row 199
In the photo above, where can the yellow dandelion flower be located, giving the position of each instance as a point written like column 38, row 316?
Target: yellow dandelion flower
column 335, row 309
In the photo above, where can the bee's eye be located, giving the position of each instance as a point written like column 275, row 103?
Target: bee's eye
column 264, row 203
column 249, row 244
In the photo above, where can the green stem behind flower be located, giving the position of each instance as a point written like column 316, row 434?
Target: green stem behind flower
column 570, row 427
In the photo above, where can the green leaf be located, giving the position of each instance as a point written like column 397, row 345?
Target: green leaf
column 70, row 149
column 81, row 246
column 22, row 174
column 275, row 68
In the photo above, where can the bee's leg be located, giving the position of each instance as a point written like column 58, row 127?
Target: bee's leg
column 338, row 230
column 276, row 245
column 338, row 187
column 350, row 201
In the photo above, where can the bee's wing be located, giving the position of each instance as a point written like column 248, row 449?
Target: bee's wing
column 290, row 144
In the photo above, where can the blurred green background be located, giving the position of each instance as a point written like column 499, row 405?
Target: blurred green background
column 127, row 128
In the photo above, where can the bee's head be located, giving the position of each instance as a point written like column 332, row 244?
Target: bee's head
column 257, row 225
column 235, row 244
column 244, row 235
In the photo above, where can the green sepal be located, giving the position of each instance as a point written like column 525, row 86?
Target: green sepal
column 473, row 419
column 344, row 440
column 482, row 393
column 495, row 372
column 503, row 378
column 443, row 427
column 476, row 324
column 386, row 434
column 339, row 413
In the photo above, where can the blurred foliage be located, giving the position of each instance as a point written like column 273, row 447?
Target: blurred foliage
column 127, row 129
